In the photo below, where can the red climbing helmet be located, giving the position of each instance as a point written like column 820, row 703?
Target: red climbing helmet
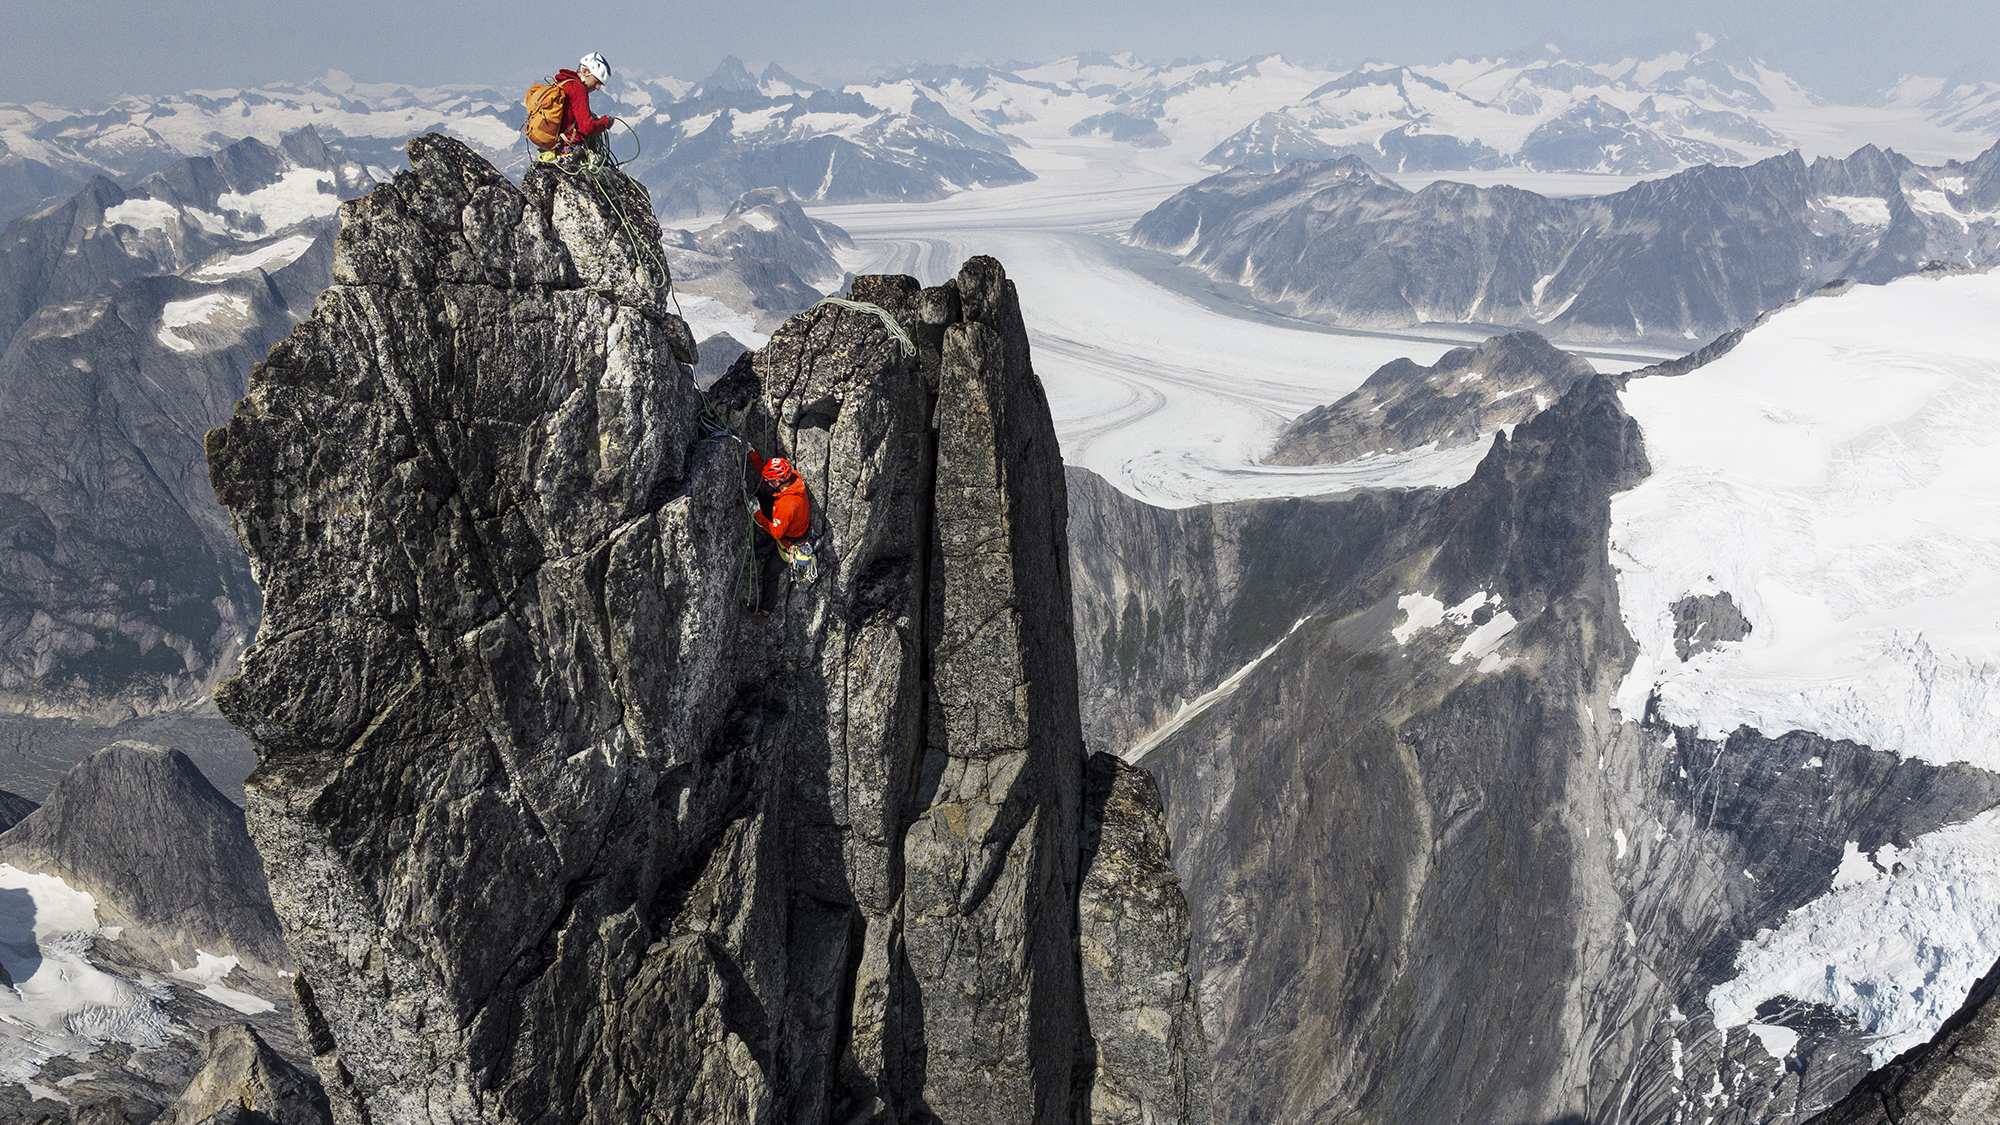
column 777, row 469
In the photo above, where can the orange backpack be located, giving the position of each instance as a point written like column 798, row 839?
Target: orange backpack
column 546, row 103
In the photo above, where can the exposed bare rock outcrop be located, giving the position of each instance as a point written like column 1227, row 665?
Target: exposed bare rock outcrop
column 1152, row 1057
column 165, row 854
column 559, row 830
column 242, row 1081
column 1462, row 398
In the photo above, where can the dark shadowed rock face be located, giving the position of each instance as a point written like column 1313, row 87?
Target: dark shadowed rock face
column 560, row 831
column 1434, row 881
column 244, row 1082
column 1169, row 602
column 13, row 807
column 165, row 855
column 1953, row 1078
column 1462, row 398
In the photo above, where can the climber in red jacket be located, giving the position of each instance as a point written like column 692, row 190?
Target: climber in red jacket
column 579, row 124
column 789, row 525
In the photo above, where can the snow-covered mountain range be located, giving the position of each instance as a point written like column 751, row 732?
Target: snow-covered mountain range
column 1684, row 257
column 928, row 131
column 1732, row 616
column 131, row 319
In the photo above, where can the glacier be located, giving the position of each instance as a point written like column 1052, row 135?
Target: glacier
column 1838, row 474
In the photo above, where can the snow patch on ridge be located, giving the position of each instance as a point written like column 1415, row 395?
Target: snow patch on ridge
column 707, row 316
column 197, row 310
column 276, row 256
column 61, row 1003
column 208, row 972
column 1195, row 707
column 298, row 195
column 1838, row 474
column 1898, row 952
column 143, row 214
column 1422, row 611
column 1861, row 210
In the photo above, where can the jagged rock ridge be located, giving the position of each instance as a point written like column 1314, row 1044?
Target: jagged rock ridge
column 559, row 830
column 1682, row 258
column 1462, row 398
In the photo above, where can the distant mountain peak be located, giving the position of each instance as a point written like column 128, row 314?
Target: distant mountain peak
column 165, row 853
column 777, row 76
column 729, row 74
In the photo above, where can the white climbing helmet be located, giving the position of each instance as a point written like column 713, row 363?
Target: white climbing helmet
column 595, row 64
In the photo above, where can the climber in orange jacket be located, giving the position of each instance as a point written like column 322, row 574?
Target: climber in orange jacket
column 790, row 521
column 789, row 524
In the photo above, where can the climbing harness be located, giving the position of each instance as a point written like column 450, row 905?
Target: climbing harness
column 804, row 559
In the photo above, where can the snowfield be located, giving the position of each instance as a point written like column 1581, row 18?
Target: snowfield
column 222, row 309
column 273, row 257
column 207, row 974
column 1897, row 951
column 61, row 1003
column 1838, row 474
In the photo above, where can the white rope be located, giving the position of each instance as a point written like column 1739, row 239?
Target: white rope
column 882, row 314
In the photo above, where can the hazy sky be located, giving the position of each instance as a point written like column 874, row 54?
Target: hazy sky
column 84, row 53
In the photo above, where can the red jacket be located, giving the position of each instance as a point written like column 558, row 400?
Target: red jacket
column 791, row 513
column 578, row 121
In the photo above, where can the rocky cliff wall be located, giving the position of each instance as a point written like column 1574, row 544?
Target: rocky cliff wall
column 128, row 319
column 1433, row 874
column 559, row 829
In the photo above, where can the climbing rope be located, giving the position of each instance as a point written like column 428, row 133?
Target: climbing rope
column 600, row 163
column 715, row 429
column 888, row 322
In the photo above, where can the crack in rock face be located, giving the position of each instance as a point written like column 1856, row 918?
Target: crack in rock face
column 559, row 828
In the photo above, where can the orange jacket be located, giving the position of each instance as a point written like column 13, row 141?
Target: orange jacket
column 791, row 513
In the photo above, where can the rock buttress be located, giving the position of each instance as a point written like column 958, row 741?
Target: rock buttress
column 558, row 830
